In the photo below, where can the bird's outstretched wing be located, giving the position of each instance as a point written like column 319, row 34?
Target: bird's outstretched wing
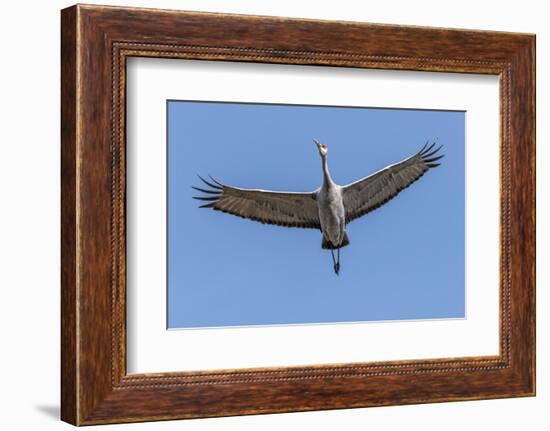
column 371, row 192
column 278, row 208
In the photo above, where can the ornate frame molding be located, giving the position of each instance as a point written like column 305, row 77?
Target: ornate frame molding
column 96, row 41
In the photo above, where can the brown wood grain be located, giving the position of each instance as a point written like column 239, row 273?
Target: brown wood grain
column 69, row 369
column 96, row 41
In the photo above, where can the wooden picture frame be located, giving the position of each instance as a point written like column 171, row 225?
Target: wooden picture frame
column 95, row 43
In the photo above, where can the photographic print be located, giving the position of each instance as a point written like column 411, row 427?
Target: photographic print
column 318, row 215
column 298, row 214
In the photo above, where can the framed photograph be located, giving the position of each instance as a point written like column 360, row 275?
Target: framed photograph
column 265, row 214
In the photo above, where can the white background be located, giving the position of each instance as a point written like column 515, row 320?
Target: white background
column 151, row 348
column 29, row 227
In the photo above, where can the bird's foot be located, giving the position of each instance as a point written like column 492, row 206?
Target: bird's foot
column 337, row 268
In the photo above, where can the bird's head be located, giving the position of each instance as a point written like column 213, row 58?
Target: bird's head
column 321, row 147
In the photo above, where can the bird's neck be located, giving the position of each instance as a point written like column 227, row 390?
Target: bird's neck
column 327, row 180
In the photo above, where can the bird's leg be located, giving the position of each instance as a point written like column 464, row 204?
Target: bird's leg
column 334, row 262
column 338, row 262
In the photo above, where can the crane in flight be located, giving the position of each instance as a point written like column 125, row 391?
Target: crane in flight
column 329, row 208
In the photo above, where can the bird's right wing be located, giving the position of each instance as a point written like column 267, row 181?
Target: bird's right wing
column 277, row 208
column 375, row 190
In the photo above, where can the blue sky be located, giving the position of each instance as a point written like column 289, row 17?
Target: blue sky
column 406, row 259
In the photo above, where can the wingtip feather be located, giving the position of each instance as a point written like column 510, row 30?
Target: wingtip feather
column 433, row 159
column 217, row 182
column 206, row 198
column 210, row 205
column 212, row 192
column 431, row 153
column 209, row 183
column 427, row 150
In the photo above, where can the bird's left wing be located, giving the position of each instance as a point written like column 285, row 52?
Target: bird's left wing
column 278, row 208
column 370, row 192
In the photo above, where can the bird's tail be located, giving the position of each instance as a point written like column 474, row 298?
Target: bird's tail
column 327, row 245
